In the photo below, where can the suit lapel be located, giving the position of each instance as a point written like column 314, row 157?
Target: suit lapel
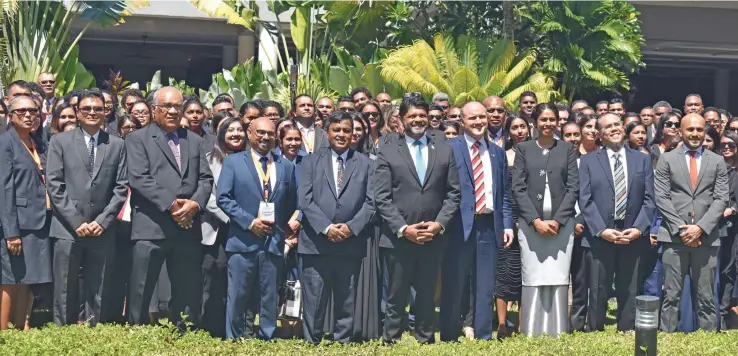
column 25, row 153
column 431, row 159
column 405, row 153
column 102, row 145
column 467, row 157
column 327, row 159
column 184, row 150
column 348, row 170
column 276, row 159
column 703, row 167
column 684, row 168
column 81, row 148
column 254, row 174
column 161, row 140
column 631, row 163
column 605, row 162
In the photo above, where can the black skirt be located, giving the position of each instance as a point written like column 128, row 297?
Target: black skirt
column 34, row 264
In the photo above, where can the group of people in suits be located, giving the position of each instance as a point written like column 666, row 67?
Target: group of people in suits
column 408, row 217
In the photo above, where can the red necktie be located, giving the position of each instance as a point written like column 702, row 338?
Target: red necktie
column 478, row 169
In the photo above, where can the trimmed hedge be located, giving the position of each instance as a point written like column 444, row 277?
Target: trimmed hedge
column 146, row 340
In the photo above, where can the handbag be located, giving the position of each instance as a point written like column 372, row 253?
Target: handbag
column 290, row 301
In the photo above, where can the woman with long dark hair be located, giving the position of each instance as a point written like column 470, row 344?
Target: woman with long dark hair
column 667, row 135
column 372, row 114
column 546, row 188
column 636, row 136
column 590, row 137
column 727, row 254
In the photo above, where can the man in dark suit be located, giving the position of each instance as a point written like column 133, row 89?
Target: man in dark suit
column 258, row 191
column 617, row 202
column 485, row 223
column 87, row 181
column 416, row 191
column 337, row 204
column 313, row 138
column 170, row 183
column 691, row 185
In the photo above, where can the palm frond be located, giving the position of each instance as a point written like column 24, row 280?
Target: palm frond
column 221, row 9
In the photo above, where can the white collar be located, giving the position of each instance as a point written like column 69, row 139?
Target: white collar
column 611, row 153
column 344, row 155
column 470, row 141
column 95, row 136
column 423, row 140
column 301, row 127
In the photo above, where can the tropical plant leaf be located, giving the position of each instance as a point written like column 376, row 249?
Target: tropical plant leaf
column 465, row 80
column 298, row 27
column 222, row 9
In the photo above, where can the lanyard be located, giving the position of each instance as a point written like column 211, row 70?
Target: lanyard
column 34, row 154
column 306, row 140
column 264, row 175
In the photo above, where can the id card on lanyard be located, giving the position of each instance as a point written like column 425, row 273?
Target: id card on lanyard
column 266, row 208
column 307, row 141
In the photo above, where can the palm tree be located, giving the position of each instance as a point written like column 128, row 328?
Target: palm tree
column 467, row 69
column 590, row 46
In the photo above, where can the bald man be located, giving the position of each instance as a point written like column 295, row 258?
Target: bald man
column 170, row 183
column 496, row 115
column 258, row 191
column 691, row 189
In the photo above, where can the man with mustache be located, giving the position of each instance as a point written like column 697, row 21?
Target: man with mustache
column 617, row 202
column 337, row 204
column 496, row 115
column 416, row 192
column 691, row 194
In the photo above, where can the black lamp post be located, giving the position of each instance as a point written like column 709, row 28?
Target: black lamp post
column 646, row 325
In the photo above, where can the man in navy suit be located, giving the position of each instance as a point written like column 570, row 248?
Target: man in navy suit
column 258, row 192
column 337, row 204
column 616, row 198
column 484, row 224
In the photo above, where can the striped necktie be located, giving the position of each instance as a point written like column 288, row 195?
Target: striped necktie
column 480, row 197
column 620, row 189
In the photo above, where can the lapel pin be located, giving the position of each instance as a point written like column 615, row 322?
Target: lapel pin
column 539, row 197
column 542, row 173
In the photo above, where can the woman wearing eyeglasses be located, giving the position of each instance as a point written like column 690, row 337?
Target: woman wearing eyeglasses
column 372, row 113
column 25, row 248
column 667, row 135
column 141, row 111
column 435, row 117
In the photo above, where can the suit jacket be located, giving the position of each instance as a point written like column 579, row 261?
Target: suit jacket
column 77, row 196
column 213, row 216
column 23, row 189
column 529, row 180
column 597, row 193
column 322, row 205
column 436, row 135
column 680, row 204
column 156, row 182
column 240, row 190
column 501, row 192
column 401, row 200
column 4, row 124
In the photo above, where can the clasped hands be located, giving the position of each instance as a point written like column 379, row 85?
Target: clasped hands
column 690, row 235
column 422, row 232
column 338, row 232
column 90, row 229
column 183, row 211
column 546, row 228
column 620, row 237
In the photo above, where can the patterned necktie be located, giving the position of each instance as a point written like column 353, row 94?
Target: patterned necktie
column 91, row 152
column 480, row 195
column 419, row 164
column 339, row 174
column 174, row 145
column 264, row 168
column 693, row 168
column 620, row 189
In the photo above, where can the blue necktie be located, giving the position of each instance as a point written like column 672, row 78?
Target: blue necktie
column 264, row 167
column 419, row 165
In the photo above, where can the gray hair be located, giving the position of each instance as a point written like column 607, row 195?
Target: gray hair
column 662, row 104
column 20, row 97
column 440, row 97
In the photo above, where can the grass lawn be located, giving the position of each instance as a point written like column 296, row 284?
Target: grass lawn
column 147, row 340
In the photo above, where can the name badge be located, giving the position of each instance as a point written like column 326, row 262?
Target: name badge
column 266, row 211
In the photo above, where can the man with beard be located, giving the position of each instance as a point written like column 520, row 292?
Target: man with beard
column 313, row 138
column 616, row 200
column 691, row 194
column 258, row 191
column 496, row 114
column 486, row 224
column 417, row 194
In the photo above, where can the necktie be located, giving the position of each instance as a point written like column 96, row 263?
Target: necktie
column 693, row 169
column 91, row 152
column 174, row 145
column 620, row 188
column 264, row 168
column 480, row 196
column 419, row 165
column 339, row 174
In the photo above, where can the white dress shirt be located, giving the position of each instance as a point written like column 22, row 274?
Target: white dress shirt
column 697, row 157
column 308, row 135
column 272, row 173
column 486, row 167
column 87, row 141
column 623, row 161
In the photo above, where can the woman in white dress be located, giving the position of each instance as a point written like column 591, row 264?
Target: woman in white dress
column 546, row 188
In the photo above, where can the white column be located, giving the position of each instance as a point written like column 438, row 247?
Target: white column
column 246, row 42
column 268, row 52
column 722, row 89
column 230, row 56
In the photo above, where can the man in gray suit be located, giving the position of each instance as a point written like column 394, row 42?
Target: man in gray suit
column 337, row 203
column 170, row 185
column 87, row 182
column 691, row 186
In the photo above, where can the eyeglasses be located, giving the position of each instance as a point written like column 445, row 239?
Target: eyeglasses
column 169, row 106
column 435, row 117
column 728, row 145
column 23, row 111
column 497, row 110
column 128, row 127
column 672, row 124
column 370, row 114
column 140, row 113
column 453, row 116
column 88, row 109
column 48, row 82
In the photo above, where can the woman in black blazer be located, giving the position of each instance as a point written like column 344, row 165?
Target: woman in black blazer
column 546, row 189
column 25, row 249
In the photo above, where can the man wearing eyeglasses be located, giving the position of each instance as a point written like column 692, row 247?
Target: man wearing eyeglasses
column 170, row 184
column 87, row 184
column 47, row 80
column 496, row 116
